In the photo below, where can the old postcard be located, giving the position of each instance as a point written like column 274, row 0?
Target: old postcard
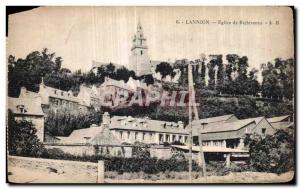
column 198, row 95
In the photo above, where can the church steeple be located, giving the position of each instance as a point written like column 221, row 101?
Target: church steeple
column 139, row 41
column 139, row 60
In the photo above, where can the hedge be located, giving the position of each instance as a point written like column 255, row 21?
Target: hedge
column 134, row 164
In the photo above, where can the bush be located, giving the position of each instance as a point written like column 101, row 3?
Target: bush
column 124, row 165
column 273, row 153
column 22, row 139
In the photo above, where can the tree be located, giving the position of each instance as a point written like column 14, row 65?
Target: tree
column 65, row 120
column 148, row 79
column 22, row 139
column 253, row 85
column 203, row 70
column 164, row 68
column 212, row 65
column 274, row 153
column 182, row 65
column 271, row 84
column 29, row 71
column 220, row 74
column 123, row 73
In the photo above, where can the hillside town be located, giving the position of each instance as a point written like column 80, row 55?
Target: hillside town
column 223, row 138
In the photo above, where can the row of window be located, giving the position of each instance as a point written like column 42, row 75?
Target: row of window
column 172, row 138
column 129, row 135
column 59, row 102
column 61, row 93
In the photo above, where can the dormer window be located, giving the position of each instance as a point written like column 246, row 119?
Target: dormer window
column 21, row 109
column 54, row 91
column 62, row 93
column 165, row 125
column 87, row 139
column 263, row 131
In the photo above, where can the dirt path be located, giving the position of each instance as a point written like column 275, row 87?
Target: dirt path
column 25, row 175
column 245, row 177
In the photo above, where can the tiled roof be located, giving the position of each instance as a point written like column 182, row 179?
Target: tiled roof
column 32, row 106
column 96, row 135
column 281, row 125
column 118, row 122
column 277, row 119
column 120, row 84
column 105, row 137
column 131, row 84
column 228, row 126
column 57, row 93
column 213, row 119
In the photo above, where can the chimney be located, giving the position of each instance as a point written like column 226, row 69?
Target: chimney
column 203, row 125
column 180, row 124
column 23, row 92
column 106, row 119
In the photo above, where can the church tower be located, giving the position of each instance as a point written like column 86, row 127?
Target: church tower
column 139, row 60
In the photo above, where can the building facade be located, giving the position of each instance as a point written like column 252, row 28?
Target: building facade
column 56, row 98
column 230, row 133
column 28, row 106
column 130, row 130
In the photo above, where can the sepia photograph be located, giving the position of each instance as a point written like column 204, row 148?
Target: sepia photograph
column 150, row 95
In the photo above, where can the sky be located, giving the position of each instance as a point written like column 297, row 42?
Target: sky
column 83, row 34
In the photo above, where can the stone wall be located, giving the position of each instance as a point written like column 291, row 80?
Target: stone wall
column 88, row 150
column 161, row 152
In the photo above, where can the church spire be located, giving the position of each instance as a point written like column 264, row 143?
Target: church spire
column 139, row 60
column 139, row 40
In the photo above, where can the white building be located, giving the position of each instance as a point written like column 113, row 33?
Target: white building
column 28, row 106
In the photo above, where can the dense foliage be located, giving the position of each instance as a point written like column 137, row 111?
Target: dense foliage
column 28, row 72
column 63, row 121
column 22, row 139
column 134, row 164
column 278, row 79
column 273, row 153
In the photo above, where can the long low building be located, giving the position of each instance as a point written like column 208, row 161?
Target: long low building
column 228, row 131
column 129, row 129
column 126, row 129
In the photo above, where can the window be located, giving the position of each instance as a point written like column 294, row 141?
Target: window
column 263, row 131
column 21, row 109
column 161, row 138
column 135, row 135
column 62, row 93
column 144, row 136
column 173, row 138
column 141, row 52
column 167, row 138
column 246, row 131
column 128, row 135
column 121, row 134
